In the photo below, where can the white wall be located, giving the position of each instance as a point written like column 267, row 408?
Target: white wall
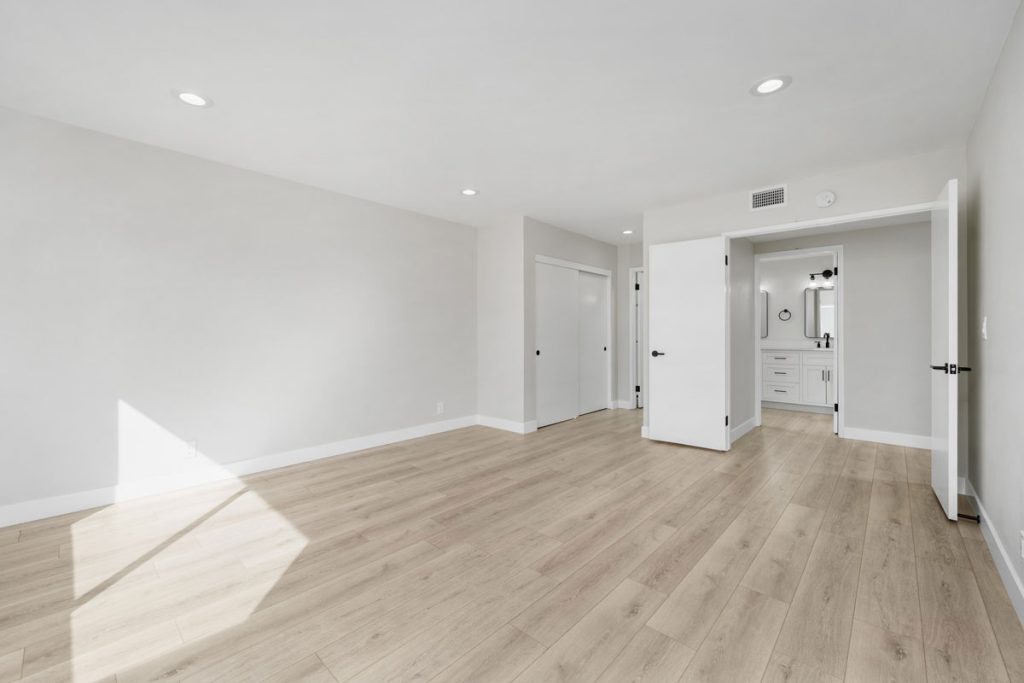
column 628, row 256
column 500, row 323
column 249, row 314
column 886, row 280
column 785, row 282
column 547, row 240
column 995, row 157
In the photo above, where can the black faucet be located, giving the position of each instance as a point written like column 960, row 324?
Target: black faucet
column 827, row 338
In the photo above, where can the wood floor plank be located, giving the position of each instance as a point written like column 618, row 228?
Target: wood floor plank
column 820, row 620
column 419, row 560
column 777, row 569
column 1007, row 626
column 597, row 639
column 740, row 644
column 499, row 659
column 879, row 655
column 650, row 657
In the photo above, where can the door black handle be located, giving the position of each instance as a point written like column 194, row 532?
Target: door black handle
column 964, row 369
column 657, row 353
column 606, row 348
column 944, row 367
column 538, row 352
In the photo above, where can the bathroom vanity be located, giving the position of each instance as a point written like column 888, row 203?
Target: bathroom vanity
column 798, row 377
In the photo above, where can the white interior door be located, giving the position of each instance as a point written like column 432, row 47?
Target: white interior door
column 557, row 334
column 593, row 342
column 945, row 288
column 688, row 334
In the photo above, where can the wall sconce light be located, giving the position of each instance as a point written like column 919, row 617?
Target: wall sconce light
column 826, row 276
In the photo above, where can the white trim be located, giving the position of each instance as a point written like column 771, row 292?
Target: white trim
column 502, row 424
column 741, row 429
column 891, row 438
column 30, row 510
column 835, row 221
column 1007, row 571
column 552, row 261
column 633, row 356
column 643, row 432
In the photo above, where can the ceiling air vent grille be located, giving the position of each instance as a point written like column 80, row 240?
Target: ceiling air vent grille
column 768, row 197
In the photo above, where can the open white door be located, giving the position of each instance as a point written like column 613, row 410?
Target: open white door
column 688, row 313
column 593, row 342
column 557, row 334
column 945, row 288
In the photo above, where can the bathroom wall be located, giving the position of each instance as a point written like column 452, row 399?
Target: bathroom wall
column 785, row 282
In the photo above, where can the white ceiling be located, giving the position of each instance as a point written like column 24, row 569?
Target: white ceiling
column 581, row 113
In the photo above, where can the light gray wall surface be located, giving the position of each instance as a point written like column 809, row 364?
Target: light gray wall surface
column 247, row 313
column 742, row 330
column 541, row 239
column 500, row 321
column 886, row 280
column 785, row 282
column 995, row 157
column 629, row 256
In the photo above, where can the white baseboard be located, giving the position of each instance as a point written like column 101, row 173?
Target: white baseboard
column 739, row 430
column 1007, row 572
column 41, row 508
column 643, row 432
column 891, row 438
column 507, row 425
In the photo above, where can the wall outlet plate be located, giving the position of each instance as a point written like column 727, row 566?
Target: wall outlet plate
column 440, row 407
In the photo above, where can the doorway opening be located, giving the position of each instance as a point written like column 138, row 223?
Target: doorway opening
column 636, row 336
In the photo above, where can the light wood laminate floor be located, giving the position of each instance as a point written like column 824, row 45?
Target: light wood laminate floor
column 579, row 553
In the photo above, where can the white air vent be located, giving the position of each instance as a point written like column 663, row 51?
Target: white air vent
column 768, row 197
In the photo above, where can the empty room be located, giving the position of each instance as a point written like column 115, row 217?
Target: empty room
column 493, row 342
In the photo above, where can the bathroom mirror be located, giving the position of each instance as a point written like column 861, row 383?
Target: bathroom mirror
column 819, row 312
column 764, row 314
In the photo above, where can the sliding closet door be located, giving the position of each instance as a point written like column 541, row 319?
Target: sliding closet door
column 593, row 342
column 557, row 334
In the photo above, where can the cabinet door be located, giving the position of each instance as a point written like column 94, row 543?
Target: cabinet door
column 815, row 386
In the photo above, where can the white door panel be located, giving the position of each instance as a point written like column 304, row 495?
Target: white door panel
column 945, row 330
column 688, row 313
column 557, row 334
column 593, row 342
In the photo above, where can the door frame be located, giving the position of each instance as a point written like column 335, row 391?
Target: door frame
column 609, row 332
column 836, row 251
column 635, row 359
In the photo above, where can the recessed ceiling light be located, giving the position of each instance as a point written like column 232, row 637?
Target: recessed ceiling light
column 771, row 85
column 193, row 99
column 627, row 232
column 469, row 192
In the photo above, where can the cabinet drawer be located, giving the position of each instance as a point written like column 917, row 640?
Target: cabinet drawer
column 819, row 358
column 781, row 373
column 783, row 393
column 780, row 358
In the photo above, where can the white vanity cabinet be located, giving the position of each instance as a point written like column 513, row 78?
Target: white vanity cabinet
column 800, row 377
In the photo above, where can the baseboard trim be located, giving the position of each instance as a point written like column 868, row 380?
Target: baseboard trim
column 741, row 429
column 1007, row 572
column 643, row 432
column 41, row 508
column 507, row 425
column 891, row 438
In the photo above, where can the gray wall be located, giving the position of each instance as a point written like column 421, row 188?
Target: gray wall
column 741, row 331
column 886, row 280
column 629, row 256
column 547, row 240
column 785, row 282
column 995, row 157
column 249, row 314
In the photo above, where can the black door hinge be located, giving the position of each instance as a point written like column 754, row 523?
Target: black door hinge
column 836, row 408
column 726, row 259
column 726, row 420
column 638, row 388
column 636, row 286
column 835, row 271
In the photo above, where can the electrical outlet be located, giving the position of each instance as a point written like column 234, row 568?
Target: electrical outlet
column 193, row 449
column 440, row 407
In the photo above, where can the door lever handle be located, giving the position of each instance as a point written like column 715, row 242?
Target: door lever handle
column 657, row 353
column 964, row 368
column 944, row 367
